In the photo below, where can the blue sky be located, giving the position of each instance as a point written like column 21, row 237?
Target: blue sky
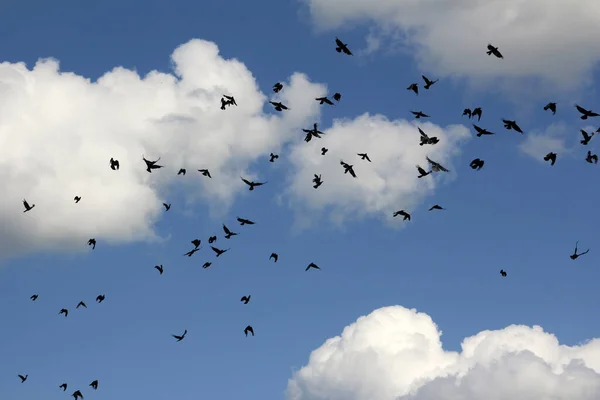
column 516, row 214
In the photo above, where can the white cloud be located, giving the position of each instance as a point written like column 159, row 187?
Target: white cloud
column 553, row 39
column 59, row 130
column 396, row 354
column 387, row 184
column 538, row 144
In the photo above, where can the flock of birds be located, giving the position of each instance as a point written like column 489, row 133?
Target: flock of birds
column 314, row 132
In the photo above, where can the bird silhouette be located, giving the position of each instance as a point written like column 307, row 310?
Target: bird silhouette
column 477, row 164
column 324, row 150
column 428, row 83
column 252, row 184
column 182, row 171
column 551, row 107
column 100, row 298
column 167, row 206
column 364, row 156
column 63, row 387
column 422, row 172
column 426, row 139
column 342, row 47
column 494, row 50
column 277, row 87
column 467, row 112
column 228, row 233
column 550, row 157
column 279, row 106
column 27, row 206
column 150, row 165
column 435, row 166
column 312, row 265
column 324, row 100
column 180, row 337
column 477, row 112
column 77, row 394
column 481, row 131
column 64, row 311
column 81, row 304
column 404, row 214
column 586, row 137
column 414, row 87
column 218, row 251
column 244, row 221
column 77, row 199
column 337, row 96
column 114, row 164
column 34, row 297
column 212, row 239
column 230, row 101
column 314, row 132
column 272, row 157
column 246, row 299
column 94, row 385
column 191, row 252
column 419, row 114
column 206, row 264
column 196, row 243
column 436, row 207
column 23, row 378
column 575, row 255
column 92, row 242
column 508, row 124
column 502, row 272
column 348, row 169
column 249, row 329
column 317, row 181
column 205, row 172
column 159, row 268
column 274, row 257
column 591, row 158
column 585, row 114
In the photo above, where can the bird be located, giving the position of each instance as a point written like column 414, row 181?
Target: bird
column 435, row 166
column 150, row 165
column 414, row 87
column 212, row 239
column 426, row 139
column 252, row 184
column 249, row 329
column 94, row 385
column 364, row 156
column 508, row 124
column 206, row 264
column 23, row 378
column 348, row 169
column 77, row 394
column 591, row 158
column 274, row 257
column 228, row 233
column 436, row 207
column 324, row 100
column 196, row 242
column 246, row 299
column 502, row 272
column 312, row 265
column 34, row 297
column 422, row 172
column 586, row 137
column 317, row 181
column 403, row 214
column 244, row 221
column 167, row 206
column 324, row 150
column 477, row 112
column 467, row 112
column 230, row 100
column 277, row 87
column 477, row 164
column 77, row 199
column 218, row 251
column 27, row 206
column 494, row 50
column 205, row 172
column 342, row 47
column 279, row 106
column 428, row 83
column 585, row 114
column 100, row 298
column 224, row 103
column 182, row 171
column 81, row 304
column 64, row 311
column 419, row 114
column 272, row 157
column 191, row 252
column 180, row 338
column 337, row 96
column 551, row 107
column 481, row 131
column 92, row 242
column 313, row 132
column 575, row 255
column 550, row 157
column 159, row 268
column 114, row 164
column 63, row 387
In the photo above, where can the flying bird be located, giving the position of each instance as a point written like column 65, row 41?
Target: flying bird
column 63, row 387
column 312, row 265
column 324, row 100
column 414, row 87
column 230, row 100
column 249, row 329
column 205, row 172
column 100, row 298
column 180, row 338
column 585, row 114
column 575, row 255
column 92, row 242
column 274, row 257
column 493, row 50
column 277, row 87
column 551, row 107
column 436, row 207
column 167, row 206
column 419, row 114
column 586, row 137
column 77, row 199
column 212, row 239
column 272, row 157
column 364, row 156
column 337, row 96
column 324, row 150
column 313, row 132
column 218, row 251
column 252, row 184
column 34, row 297
column 508, row 124
column 477, row 164
column 246, row 299
column 191, row 252
column 435, row 166
column 348, row 169
column 279, row 106
column 342, row 47
column 196, row 243
column 502, row 272
column 114, row 164
column 481, row 131
column 206, row 264
column 403, row 214
column 27, row 206
column 428, row 83
column 244, row 221
column 550, row 157
column 591, row 158
column 467, row 112
column 422, row 172
column 228, row 233
column 182, row 171
column 477, row 112
column 77, row 394
column 64, row 311
column 81, row 304
column 426, row 139
column 150, row 165
column 94, row 385
column 159, row 268
column 23, row 378
column 317, row 181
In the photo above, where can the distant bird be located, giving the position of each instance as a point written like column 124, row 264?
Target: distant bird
column 182, row 171
column 64, row 311
column 246, row 299
column 191, row 252
column 422, row 172
column 81, row 304
column 218, row 251
column 502, row 272
column 206, row 264
column 77, row 394
column 27, row 206
column 159, row 268
column 493, row 50
column 414, row 87
column 585, row 114
column 312, row 132
column 586, row 137
column 77, row 199
column 575, row 255
column 312, row 265
column 244, row 221
column 324, row 150
column 477, row 112
column 591, row 158
column 364, row 156
column 324, row 100
column 436, row 207
column 277, row 87
column 481, row 131
column 252, row 184
column 224, row 104
column 92, row 242
column 477, row 164
column 94, row 385
column 348, row 169
column 167, row 206
column 249, row 329
column 100, row 298
column 228, row 233
column 180, row 338
column 508, row 124
column 23, row 378
column 435, row 166
column 114, row 164
column 212, row 239
column 34, row 297
column 230, row 100
column 467, row 112
column 317, row 181
column 205, row 172
column 428, row 83
column 279, row 106
column 196, row 242
column 150, row 165
column 337, row 96
column 551, row 107
column 419, row 114
column 426, row 139
column 342, row 47
column 550, row 157
column 63, row 387
column 272, row 157
column 403, row 214
column 274, row 256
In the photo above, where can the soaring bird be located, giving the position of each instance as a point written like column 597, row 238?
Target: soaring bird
column 81, row 304
column 414, row 87
column 27, row 206
column 419, row 114
column 342, row 47
column 575, row 255
column 274, row 257
column 249, row 329
column 277, row 87
column 481, row 131
column 279, row 106
column 508, row 124
column 585, row 114
column 77, row 394
column 228, row 233
column 422, row 172
column 550, row 157
column 312, row 265
column 244, row 221
column 348, row 169
column 428, row 83
column 551, row 107
column 426, row 139
column 364, row 156
column 167, row 206
column 191, row 252
column 246, row 299
column 205, row 172
column 586, row 137
column 218, row 251
column 23, row 378
column 252, row 184
column 404, row 214
column 150, row 165
column 493, row 50
column 436, row 207
column 435, row 166
column 94, row 385
column 180, row 337
column 230, row 100
column 182, row 171
column 324, row 100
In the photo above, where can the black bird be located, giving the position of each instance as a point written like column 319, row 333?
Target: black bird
column 508, row 124
column 272, row 157
column 182, row 171
column 586, row 137
column 467, row 112
column 63, row 387
column 364, row 156
column 426, row 139
column 477, row 112
column 246, row 299
column 422, row 172
column 551, row 107
column 114, row 164
column 414, row 87
column 191, row 252
column 481, row 131
column 218, row 251
column 322, row 100
column 585, row 114
column 34, row 297
column 324, row 150
column 92, row 242
column 274, row 256
column 278, row 106
column 435, row 166
column 81, row 304
column 167, row 206
column 591, row 158
column 403, row 213
column 348, row 169
column 477, row 164
column 252, row 184
column 150, row 165
column 428, row 83
column 180, row 338
column 64, row 311
column 277, row 87
column 248, row 329
column 317, row 181
column 502, row 272
column 228, row 233
column 419, row 114
column 100, row 298
column 436, row 207
column 205, row 172
column 27, row 206
column 575, row 255
column 550, row 157
column 23, row 378
column 94, row 385
column 196, row 242
column 312, row 265
column 77, row 199
column 244, row 221
column 77, row 394
column 159, row 268
column 493, row 50
column 342, row 47
column 206, row 264
column 212, row 239
column 312, row 132
column 337, row 96
column 225, row 103
column 230, row 100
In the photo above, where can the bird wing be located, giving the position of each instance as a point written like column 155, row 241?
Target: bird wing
column 247, row 182
column 227, row 231
column 423, row 134
column 581, row 109
column 25, row 203
column 478, row 129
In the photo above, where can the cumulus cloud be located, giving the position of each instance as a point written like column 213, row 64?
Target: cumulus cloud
column 552, row 39
column 58, row 131
column 386, row 184
column 396, row 354
column 552, row 139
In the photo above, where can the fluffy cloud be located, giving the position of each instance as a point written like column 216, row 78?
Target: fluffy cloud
column 58, row 131
column 553, row 39
column 386, row 184
column 396, row 354
column 553, row 139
